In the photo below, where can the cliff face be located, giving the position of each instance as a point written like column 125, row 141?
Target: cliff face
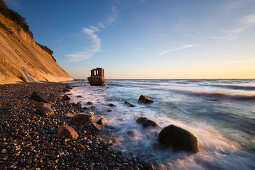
column 21, row 59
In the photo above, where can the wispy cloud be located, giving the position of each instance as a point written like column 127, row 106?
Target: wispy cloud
column 244, row 23
column 91, row 32
column 165, row 52
column 86, row 54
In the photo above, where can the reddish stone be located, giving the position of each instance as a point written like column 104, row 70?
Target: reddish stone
column 68, row 132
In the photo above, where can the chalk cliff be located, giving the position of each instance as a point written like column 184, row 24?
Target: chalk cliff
column 22, row 59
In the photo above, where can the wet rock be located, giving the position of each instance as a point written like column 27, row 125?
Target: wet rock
column 132, row 133
column 47, row 111
column 95, row 127
column 68, row 132
column 65, row 97
column 179, row 138
column 89, row 103
column 129, row 104
column 111, row 105
column 65, row 90
column 145, row 99
column 69, row 115
column 78, row 105
column 109, row 110
column 69, row 87
column 146, row 122
column 84, row 118
column 101, row 121
column 79, row 96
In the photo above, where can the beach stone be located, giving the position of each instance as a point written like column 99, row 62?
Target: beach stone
column 47, row 111
column 111, row 105
column 129, row 104
column 65, row 90
column 69, row 115
column 132, row 133
column 69, row 87
column 95, row 127
column 84, row 118
column 146, row 122
column 101, row 121
column 145, row 99
column 179, row 138
column 89, row 103
column 78, row 105
column 39, row 97
column 68, row 132
column 65, row 97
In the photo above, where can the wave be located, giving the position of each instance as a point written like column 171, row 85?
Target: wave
column 218, row 94
column 235, row 87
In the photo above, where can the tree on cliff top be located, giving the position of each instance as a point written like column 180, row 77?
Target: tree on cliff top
column 16, row 17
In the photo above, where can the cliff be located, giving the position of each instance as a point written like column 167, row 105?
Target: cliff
column 22, row 59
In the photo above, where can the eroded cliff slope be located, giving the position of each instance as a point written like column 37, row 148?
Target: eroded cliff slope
column 22, row 59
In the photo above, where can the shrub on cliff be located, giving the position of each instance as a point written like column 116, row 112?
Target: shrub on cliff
column 21, row 21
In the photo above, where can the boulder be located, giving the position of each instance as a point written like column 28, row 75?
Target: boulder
column 65, row 90
column 65, row 97
column 146, row 122
column 145, row 99
column 101, row 121
column 89, row 103
column 68, row 132
column 129, row 104
column 179, row 138
column 47, row 111
column 95, row 127
column 84, row 118
column 111, row 105
column 39, row 97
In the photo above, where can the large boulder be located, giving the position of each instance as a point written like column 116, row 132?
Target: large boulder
column 84, row 118
column 146, row 122
column 39, row 97
column 145, row 99
column 68, row 132
column 179, row 138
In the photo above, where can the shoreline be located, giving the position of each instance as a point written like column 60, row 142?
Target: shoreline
column 30, row 140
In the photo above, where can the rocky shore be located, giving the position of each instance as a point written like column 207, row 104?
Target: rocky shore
column 31, row 136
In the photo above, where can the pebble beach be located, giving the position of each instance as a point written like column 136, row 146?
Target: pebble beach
column 30, row 139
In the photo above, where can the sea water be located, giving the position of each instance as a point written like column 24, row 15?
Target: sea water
column 220, row 112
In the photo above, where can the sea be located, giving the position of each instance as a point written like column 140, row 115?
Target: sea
column 221, row 113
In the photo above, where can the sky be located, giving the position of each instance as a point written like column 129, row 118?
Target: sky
column 147, row 39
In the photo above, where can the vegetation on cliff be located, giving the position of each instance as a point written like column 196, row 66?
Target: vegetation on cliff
column 21, row 21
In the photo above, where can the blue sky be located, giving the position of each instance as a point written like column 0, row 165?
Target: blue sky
column 146, row 38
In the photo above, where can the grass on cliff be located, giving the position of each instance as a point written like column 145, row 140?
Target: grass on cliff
column 5, row 28
column 16, row 17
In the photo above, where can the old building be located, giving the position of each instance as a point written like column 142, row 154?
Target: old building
column 97, row 77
